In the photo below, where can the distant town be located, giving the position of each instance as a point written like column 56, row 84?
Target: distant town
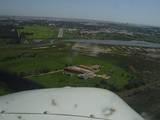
column 18, row 28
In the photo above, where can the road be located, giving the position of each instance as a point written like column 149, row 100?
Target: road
column 51, row 72
column 60, row 34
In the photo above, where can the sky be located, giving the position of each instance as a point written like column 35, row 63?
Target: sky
column 125, row 11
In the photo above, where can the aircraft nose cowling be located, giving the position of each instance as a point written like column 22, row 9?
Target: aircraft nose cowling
column 66, row 104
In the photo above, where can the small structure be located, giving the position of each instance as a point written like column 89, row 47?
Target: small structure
column 87, row 75
column 83, row 71
column 77, row 69
column 40, row 42
column 85, row 67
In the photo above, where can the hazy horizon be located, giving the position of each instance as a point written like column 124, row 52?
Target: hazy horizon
column 143, row 12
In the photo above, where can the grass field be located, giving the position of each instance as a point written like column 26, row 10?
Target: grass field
column 119, row 77
column 71, row 34
column 25, row 61
column 39, row 32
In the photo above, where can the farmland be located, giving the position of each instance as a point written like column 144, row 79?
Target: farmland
column 38, row 32
column 28, row 62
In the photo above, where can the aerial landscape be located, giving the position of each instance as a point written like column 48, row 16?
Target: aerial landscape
column 49, row 54
column 52, row 52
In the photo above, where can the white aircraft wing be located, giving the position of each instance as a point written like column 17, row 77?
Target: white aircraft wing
column 65, row 104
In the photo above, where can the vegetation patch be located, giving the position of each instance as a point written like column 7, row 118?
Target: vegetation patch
column 30, row 32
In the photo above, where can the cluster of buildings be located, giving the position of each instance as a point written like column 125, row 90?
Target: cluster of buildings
column 83, row 71
column 104, row 30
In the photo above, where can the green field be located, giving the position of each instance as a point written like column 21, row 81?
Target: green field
column 24, row 62
column 38, row 32
column 71, row 34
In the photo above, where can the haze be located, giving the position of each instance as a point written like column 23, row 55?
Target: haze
column 125, row 11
